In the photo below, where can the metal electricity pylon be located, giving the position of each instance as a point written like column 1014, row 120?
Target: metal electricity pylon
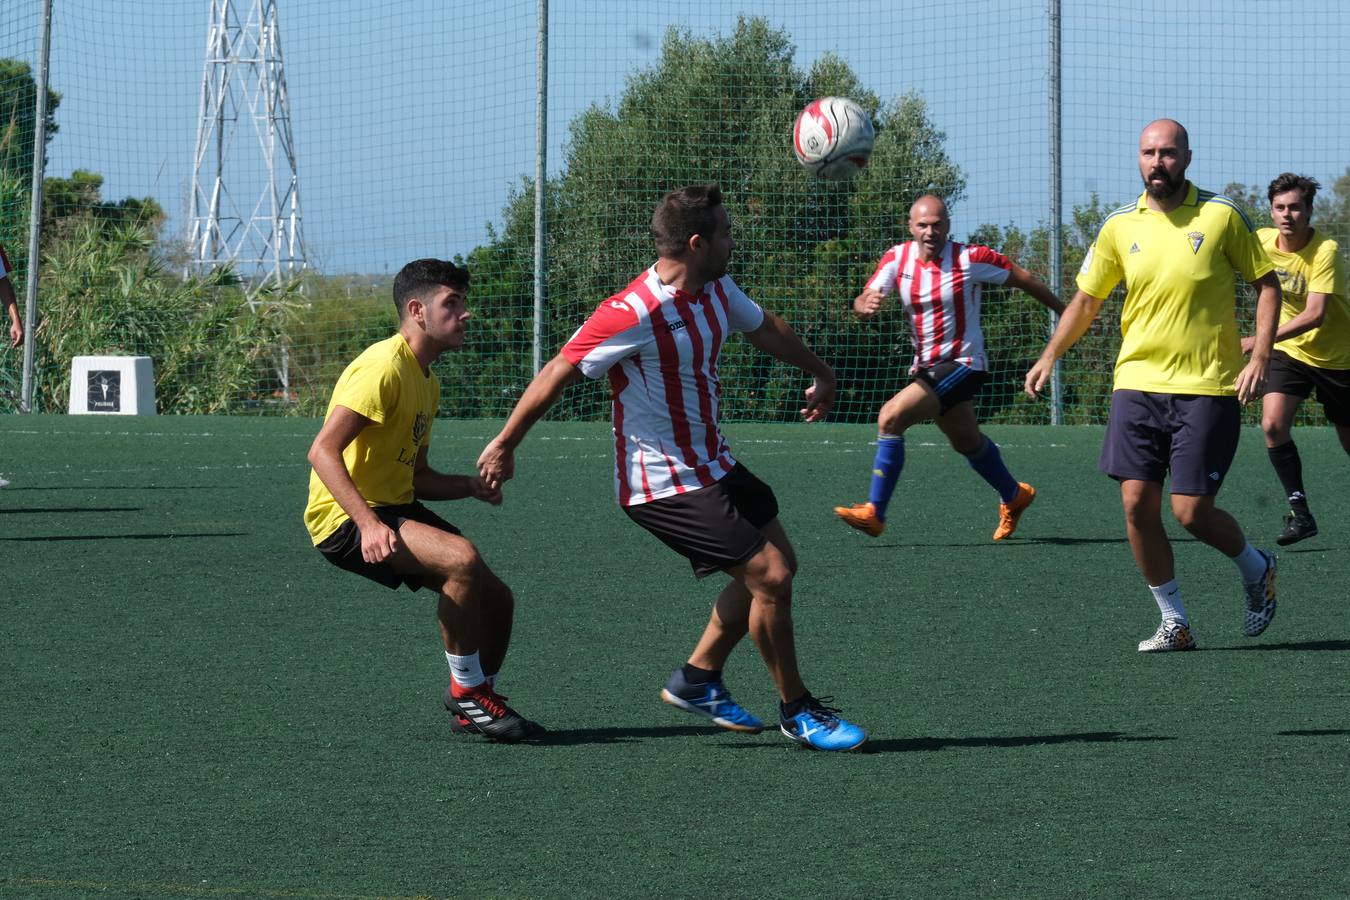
column 245, row 208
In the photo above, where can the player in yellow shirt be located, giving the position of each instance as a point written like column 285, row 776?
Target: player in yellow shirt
column 370, row 472
column 1179, row 376
column 1312, row 343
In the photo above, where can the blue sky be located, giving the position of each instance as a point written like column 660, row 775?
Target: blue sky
column 413, row 119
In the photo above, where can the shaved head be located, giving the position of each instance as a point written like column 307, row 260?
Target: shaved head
column 928, row 205
column 1169, row 130
column 929, row 225
column 1164, row 155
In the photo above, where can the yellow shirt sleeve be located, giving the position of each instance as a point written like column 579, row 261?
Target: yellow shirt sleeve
column 1328, row 275
column 370, row 390
column 1101, row 270
column 1243, row 249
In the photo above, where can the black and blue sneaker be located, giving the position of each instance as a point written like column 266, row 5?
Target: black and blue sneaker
column 710, row 700
column 818, row 726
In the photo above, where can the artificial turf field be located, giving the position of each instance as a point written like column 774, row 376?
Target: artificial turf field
column 194, row 704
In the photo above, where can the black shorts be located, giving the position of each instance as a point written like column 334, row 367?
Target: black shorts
column 715, row 527
column 342, row 548
column 952, row 382
column 1291, row 376
column 1193, row 437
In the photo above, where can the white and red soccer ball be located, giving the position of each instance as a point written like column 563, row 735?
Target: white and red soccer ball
column 833, row 138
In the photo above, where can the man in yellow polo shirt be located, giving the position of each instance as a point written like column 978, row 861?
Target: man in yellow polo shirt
column 1312, row 348
column 370, row 471
column 1179, row 377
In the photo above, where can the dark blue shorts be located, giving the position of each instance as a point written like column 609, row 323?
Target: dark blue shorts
column 1194, row 438
column 952, row 382
column 1290, row 376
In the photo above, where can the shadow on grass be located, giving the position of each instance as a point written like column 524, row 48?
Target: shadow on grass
column 1009, row 542
column 70, row 509
column 1334, row 646
column 99, row 488
column 575, row 736
column 1315, row 732
column 129, row 537
column 928, row 744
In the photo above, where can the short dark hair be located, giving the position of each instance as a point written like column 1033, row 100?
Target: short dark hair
column 416, row 277
column 682, row 214
column 1291, row 182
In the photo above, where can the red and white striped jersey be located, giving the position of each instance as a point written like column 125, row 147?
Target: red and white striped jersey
column 5, row 267
column 942, row 299
column 660, row 347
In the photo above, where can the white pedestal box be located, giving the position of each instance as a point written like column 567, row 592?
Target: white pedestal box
column 112, row 386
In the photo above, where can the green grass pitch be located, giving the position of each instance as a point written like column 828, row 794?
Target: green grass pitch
column 194, row 704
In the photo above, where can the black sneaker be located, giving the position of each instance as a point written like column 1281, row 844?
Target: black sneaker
column 1297, row 526
column 481, row 710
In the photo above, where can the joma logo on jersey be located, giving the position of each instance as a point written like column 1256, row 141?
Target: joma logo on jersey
column 676, row 325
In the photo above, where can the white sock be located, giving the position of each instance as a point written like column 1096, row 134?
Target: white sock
column 1168, row 598
column 465, row 670
column 1251, row 563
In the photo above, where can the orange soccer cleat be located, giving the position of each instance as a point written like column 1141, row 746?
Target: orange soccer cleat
column 862, row 516
column 1010, row 513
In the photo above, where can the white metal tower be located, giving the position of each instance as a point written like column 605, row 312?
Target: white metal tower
column 245, row 206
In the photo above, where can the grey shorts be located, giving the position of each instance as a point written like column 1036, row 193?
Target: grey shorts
column 1194, row 438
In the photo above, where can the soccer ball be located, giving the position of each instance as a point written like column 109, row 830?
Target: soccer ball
column 833, row 138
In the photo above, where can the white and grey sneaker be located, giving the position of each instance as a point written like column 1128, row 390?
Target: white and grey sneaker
column 1171, row 635
column 1259, row 609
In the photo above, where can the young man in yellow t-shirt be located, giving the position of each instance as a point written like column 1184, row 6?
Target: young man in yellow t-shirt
column 370, row 472
column 1179, row 377
column 1312, row 343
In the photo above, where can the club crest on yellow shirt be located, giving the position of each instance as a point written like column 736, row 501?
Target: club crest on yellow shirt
column 1196, row 238
column 419, row 428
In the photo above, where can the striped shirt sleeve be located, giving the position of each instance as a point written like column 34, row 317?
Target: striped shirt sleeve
column 614, row 331
column 888, row 270
column 743, row 314
column 988, row 266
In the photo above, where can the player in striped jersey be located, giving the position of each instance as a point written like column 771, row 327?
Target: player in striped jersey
column 938, row 283
column 9, row 301
column 1179, row 377
column 658, row 341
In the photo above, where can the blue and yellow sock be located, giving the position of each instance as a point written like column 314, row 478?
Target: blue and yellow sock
column 890, row 459
column 988, row 462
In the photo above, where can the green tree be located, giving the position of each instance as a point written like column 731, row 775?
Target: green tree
column 18, row 115
column 720, row 109
column 81, row 195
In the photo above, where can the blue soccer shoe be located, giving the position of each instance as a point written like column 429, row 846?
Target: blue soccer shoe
column 711, row 701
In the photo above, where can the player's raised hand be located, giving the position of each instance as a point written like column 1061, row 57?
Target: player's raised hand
column 481, row 491
column 868, row 303
column 496, row 465
column 819, row 399
column 379, row 542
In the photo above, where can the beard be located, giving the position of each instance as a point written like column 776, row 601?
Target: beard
column 1168, row 186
